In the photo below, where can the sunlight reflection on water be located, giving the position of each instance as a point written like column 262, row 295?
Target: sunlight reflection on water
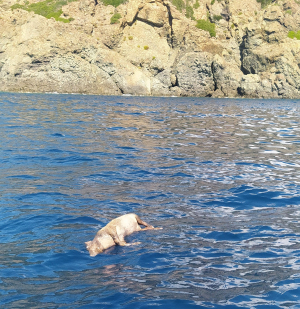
column 220, row 176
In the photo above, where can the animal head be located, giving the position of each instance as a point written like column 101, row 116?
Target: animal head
column 94, row 247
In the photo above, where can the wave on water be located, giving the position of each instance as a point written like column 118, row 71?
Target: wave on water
column 221, row 176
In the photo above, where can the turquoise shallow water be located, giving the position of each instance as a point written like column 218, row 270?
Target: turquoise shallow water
column 220, row 176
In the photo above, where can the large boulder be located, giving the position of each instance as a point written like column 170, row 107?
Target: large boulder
column 194, row 74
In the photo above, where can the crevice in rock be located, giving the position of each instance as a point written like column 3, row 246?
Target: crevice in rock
column 109, row 46
column 122, row 91
column 242, row 48
column 226, row 14
column 37, row 63
column 117, row 84
column 214, row 78
column 130, row 23
column 170, row 17
column 152, row 24
column 240, row 92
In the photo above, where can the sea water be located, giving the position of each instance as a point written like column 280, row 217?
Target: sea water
column 221, row 176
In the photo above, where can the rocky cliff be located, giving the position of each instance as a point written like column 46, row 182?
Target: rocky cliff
column 218, row 48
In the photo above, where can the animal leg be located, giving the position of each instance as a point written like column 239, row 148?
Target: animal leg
column 121, row 243
column 147, row 226
column 131, row 244
column 134, row 243
column 120, row 240
column 151, row 228
column 141, row 222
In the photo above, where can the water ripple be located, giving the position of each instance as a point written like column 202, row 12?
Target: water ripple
column 220, row 176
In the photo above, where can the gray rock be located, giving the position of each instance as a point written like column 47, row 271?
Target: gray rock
column 194, row 74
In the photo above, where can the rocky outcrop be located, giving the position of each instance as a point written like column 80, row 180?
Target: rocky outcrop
column 154, row 49
column 194, row 74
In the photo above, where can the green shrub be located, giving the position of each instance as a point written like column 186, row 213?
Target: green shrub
column 114, row 3
column 47, row 8
column 264, row 3
column 115, row 18
column 189, row 12
column 130, row 37
column 17, row 6
column 217, row 17
column 180, row 5
column 207, row 26
column 196, row 5
column 146, row 47
column 293, row 34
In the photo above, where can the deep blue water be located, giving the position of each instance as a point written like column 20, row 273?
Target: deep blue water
column 220, row 176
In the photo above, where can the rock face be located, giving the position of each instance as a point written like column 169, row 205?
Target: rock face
column 154, row 49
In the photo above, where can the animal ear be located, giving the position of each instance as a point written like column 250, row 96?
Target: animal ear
column 88, row 244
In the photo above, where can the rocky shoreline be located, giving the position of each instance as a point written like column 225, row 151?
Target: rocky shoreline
column 153, row 49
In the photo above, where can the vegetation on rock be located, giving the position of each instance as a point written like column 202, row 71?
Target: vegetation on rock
column 196, row 5
column 115, row 18
column 180, row 5
column 47, row 8
column 293, row 34
column 206, row 25
column 189, row 11
column 193, row 63
column 114, row 3
column 213, row 1
column 264, row 3
column 217, row 17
